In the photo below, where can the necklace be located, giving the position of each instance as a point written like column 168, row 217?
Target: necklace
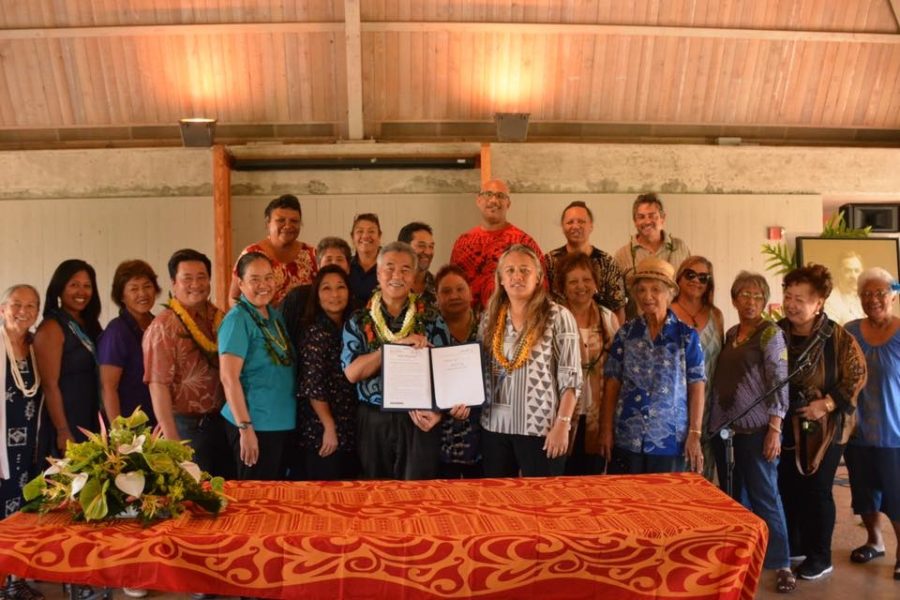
column 278, row 348
column 76, row 329
column 692, row 316
column 739, row 339
column 381, row 329
column 523, row 347
column 206, row 346
column 28, row 392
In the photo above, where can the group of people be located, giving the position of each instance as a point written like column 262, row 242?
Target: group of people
column 593, row 363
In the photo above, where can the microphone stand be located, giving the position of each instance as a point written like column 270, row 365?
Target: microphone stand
column 727, row 431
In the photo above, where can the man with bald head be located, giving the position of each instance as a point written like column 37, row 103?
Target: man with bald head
column 477, row 251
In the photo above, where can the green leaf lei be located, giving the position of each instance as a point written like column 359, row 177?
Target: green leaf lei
column 279, row 349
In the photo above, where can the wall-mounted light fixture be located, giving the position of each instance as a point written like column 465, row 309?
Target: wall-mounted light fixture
column 197, row 132
column 511, row 127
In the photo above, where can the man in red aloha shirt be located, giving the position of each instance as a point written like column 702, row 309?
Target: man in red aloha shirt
column 476, row 252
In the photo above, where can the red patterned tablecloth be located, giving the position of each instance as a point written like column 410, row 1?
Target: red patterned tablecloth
column 641, row 537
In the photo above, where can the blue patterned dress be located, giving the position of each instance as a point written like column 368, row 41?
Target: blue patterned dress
column 21, row 436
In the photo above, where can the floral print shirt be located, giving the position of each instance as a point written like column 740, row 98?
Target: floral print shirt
column 652, row 411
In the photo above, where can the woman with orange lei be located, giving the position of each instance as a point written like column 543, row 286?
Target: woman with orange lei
column 535, row 372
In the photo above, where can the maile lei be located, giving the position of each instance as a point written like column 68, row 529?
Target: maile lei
column 277, row 346
column 523, row 347
column 376, row 329
column 207, row 347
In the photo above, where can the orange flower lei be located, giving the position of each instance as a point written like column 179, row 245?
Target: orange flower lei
column 526, row 342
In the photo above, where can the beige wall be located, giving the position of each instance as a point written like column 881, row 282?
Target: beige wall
column 39, row 234
column 109, row 205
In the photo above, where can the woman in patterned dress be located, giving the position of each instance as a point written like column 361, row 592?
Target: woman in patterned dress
column 19, row 307
column 293, row 261
column 326, row 420
column 578, row 280
column 535, row 375
column 21, row 391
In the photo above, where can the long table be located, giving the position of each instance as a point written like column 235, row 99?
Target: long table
column 625, row 537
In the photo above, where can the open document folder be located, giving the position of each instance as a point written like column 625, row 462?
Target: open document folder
column 432, row 378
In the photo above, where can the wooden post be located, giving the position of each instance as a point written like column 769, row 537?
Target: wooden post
column 352, row 39
column 485, row 163
column 222, row 222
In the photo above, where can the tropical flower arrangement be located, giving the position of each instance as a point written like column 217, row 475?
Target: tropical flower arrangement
column 125, row 471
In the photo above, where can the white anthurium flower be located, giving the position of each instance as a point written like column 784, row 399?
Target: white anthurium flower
column 136, row 445
column 56, row 466
column 131, row 483
column 192, row 469
column 78, row 482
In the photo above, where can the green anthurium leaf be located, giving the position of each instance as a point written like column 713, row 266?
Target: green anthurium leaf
column 161, row 463
column 34, row 488
column 137, row 418
column 93, row 499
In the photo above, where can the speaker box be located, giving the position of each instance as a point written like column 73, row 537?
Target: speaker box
column 882, row 218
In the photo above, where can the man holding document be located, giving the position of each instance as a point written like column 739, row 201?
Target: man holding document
column 398, row 437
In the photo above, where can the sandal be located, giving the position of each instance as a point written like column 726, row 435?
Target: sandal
column 785, row 582
column 19, row 589
column 865, row 553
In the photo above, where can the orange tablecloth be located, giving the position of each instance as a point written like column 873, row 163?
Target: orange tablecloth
column 654, row 536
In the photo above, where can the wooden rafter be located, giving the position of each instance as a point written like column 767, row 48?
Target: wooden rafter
column 454, row 27
column 895, row 8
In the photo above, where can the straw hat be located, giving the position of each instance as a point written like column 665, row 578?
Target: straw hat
column 655, row 268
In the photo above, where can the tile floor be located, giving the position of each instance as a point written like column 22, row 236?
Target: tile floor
column 872, row 581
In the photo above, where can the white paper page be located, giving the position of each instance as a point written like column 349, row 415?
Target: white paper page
column 407, row 377
column 458, row 377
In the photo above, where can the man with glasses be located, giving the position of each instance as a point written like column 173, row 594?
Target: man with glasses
column 477, row 251
column 650, row 240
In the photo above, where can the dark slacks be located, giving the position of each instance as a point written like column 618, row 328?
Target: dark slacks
column 337, row 466
column 633, row 463
column 391, row 446
column 809, row 505
column 270, row 464
column 206, row 435
column 579, row 461
column 506, row 454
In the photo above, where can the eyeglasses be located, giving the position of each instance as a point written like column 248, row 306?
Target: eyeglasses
column 491, row 194
column 880, row 294
column 691, row 275
column 745, row 295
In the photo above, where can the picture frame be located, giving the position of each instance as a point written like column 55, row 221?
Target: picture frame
column 846, row 258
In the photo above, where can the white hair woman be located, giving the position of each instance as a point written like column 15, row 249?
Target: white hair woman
column 19, row 308
column 873, row 453
column 535, row 372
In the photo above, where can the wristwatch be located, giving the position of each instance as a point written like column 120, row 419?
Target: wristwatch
column 245, row 425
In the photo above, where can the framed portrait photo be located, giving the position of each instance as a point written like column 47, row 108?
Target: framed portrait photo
column 846, row 258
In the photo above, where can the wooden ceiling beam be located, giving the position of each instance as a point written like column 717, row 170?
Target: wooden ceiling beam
column 453, row 27
column 163, row 30
column 628, row 30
